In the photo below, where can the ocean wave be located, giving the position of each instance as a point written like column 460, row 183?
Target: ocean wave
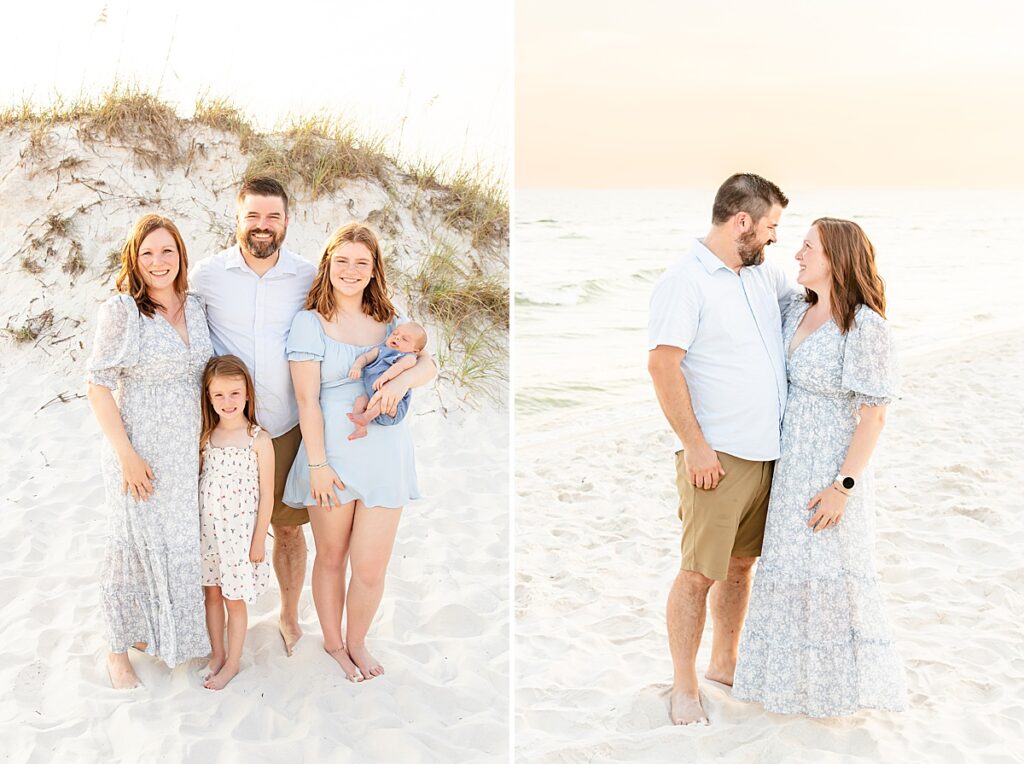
column 583, row 292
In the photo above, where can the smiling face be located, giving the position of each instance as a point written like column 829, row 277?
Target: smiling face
column 227, row 396
column 159, row 260
column 351, row 268
column 751, row 242
column 815, row 271
column 262, row 225
column 407, row 338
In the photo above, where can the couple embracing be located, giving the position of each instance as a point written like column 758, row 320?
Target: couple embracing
column 261, row 368
column 778, row 397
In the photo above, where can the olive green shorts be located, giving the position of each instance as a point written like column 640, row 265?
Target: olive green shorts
column 724, row 522
column 285, row 448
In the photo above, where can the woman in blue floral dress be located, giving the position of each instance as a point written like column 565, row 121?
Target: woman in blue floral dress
column 817, row 639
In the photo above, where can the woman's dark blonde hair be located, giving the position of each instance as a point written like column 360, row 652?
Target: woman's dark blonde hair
column 376, row 302
column 855, row 280
column 129, row 279
column 232, row 367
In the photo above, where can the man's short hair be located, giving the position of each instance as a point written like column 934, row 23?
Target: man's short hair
column 746, row 192
column 263, row 185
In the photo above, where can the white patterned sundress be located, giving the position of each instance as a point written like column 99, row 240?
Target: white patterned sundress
column 229, row 497
column 817, row 639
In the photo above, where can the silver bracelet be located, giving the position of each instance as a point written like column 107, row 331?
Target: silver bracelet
column 317, row 466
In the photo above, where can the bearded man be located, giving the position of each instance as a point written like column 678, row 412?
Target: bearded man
column 253, row 291
column 719, row 371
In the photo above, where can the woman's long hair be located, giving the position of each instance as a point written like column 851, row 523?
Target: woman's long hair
column 375, row 297
column 232, row 367
column 129, row 279
column 855, row 280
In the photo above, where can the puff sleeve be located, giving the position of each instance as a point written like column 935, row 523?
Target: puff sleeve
column 306, row 338
column 869, row 363
column 116, row 345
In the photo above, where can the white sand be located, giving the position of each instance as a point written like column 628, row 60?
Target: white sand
column 442, row 630
column 597, row 549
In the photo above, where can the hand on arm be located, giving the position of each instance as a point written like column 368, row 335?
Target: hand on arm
column 404, row 363
column 390, row 394
column 265, row 463
column 702, row 464
column 360, row 363
column 831, row 502
column 322, row 480
column 136, row 475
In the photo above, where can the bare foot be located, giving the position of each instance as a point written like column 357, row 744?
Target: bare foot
column 686, row 709
column 290, row 634
column 369, row 665
column 220, row 680
column 360, row 419
column 216, row 664
column 359, row 432
column 722, row 675
column 340, row 654
column 122, row 675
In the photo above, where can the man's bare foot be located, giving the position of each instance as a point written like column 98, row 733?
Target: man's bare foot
column 359, row 432
column 340, row 654
column 360, row 419
column 369, row 665
column 215, row 665
column 290, row 634
column 720, row 674
column 686, row 709
column 122, row 675
column 220, row 680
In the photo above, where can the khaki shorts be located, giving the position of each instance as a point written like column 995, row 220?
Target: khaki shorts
column 285, row 448
column 727, row 521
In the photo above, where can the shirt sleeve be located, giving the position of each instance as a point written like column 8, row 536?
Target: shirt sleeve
column 869, row 364
column 306, row 338
column 674, row 313
column 116, row 344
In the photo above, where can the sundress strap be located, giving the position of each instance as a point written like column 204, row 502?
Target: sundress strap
column 255, row 432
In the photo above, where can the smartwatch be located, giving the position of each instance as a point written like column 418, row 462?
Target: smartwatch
column 846, row 482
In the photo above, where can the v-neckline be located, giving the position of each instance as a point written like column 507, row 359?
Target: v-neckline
column 187, row 343
column 792, row 350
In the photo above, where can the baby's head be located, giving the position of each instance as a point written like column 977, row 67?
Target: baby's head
column 409, row 337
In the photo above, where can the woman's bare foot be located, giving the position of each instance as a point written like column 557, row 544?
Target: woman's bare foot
column 290, row 635
column 721, row 674
column 220, row 680
column 686, row 709
column 340, row 654
column 122, row 675
column 216, row 664
column 369, row 665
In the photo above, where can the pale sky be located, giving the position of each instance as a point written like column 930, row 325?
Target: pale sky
column 655, row 93
column 435, row 77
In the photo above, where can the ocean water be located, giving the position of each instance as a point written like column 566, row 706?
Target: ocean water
column 586, row 261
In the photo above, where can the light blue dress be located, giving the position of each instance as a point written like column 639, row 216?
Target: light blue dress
column 380, row 469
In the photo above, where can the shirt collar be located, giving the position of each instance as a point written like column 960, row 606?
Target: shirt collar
column 285, row 265
column 706, row 257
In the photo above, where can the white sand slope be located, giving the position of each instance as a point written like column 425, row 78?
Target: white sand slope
column 597, row 549
column 442, row 630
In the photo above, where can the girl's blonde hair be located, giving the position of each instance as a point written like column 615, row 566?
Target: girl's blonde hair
column 232, row 367
column 375, row 297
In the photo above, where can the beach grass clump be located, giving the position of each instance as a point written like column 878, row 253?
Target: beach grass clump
column 57, row 225
column 31, row 265
column 127, row 113
column 475, row 201
column 74, row 263
column 221, row 114
column 31, row 329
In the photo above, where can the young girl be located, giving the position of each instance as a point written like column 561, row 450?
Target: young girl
column 236, row 494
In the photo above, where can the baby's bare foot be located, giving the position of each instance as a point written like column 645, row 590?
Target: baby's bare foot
column 359, row 432
column 220, row 680
column 367, row 664
column 360, row 419
column 122, row 675
column 340, row 654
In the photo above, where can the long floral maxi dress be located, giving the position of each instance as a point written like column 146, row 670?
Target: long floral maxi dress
column 817, row 640
column 150, row 579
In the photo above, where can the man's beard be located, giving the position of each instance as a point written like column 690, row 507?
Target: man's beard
column 745, row 246
column 261, row 250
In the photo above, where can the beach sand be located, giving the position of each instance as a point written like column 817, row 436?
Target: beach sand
column 597, row 547
column 442, row 630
